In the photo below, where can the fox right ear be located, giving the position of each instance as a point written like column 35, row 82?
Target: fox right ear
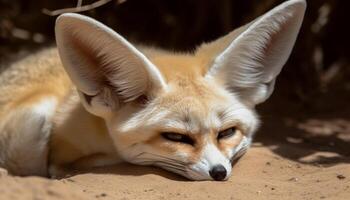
column 104, row 66
column 249, row 65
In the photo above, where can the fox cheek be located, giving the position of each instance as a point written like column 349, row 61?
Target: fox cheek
column 240, row 149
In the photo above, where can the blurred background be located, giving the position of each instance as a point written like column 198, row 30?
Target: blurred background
column 310, row 107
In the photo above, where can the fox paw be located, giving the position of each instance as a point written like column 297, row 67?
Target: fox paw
column 58, row 172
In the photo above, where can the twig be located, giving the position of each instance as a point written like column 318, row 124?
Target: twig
column 79, row 3
column 76, row 9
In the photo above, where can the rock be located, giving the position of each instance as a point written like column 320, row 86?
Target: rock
column 340, row 176
column 294, row 179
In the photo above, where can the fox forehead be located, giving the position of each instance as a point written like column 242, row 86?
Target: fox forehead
column 193, row 105
column 171, row 65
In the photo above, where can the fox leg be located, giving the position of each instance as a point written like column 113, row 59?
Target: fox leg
column 24, row 135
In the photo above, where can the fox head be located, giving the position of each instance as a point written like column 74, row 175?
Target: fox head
column 189, row 113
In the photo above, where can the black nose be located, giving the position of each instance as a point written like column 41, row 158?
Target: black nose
column 218, row 172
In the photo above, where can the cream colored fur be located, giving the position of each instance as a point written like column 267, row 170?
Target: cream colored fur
column 111, row 101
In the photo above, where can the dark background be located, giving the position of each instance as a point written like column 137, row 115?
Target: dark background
column 312, row 95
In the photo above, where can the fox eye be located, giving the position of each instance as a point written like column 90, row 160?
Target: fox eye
column 176, row 137
column 226, row 133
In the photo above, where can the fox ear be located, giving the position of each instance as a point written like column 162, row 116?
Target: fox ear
column 249, row 65
column 104, row 66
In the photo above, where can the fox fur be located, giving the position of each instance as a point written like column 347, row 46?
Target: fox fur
column 97, row 99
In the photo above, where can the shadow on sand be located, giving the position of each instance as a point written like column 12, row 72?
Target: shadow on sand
column 320, row 138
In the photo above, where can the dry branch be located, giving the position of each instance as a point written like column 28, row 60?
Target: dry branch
column 79, row 8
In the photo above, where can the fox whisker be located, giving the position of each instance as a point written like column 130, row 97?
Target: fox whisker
column 165, row 165
column 152, row 161
column 161, row 157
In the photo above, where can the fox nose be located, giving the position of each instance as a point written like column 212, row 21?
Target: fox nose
column 218, row 172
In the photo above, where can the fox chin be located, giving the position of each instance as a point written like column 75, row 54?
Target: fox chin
column 97, row 99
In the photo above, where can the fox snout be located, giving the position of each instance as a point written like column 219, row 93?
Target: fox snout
column 214, row 164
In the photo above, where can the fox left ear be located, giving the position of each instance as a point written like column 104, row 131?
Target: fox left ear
column 105, row 67
column 251, row 62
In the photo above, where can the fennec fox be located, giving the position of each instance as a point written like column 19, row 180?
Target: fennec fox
column 99, row 99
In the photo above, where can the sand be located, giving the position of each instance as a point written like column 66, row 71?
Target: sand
column 261, row 174
column 292, row 158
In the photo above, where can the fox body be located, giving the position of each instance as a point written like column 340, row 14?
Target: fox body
column 97, row 99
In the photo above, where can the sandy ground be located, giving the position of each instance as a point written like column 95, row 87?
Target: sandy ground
column 292, row 158
column 261, row 174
